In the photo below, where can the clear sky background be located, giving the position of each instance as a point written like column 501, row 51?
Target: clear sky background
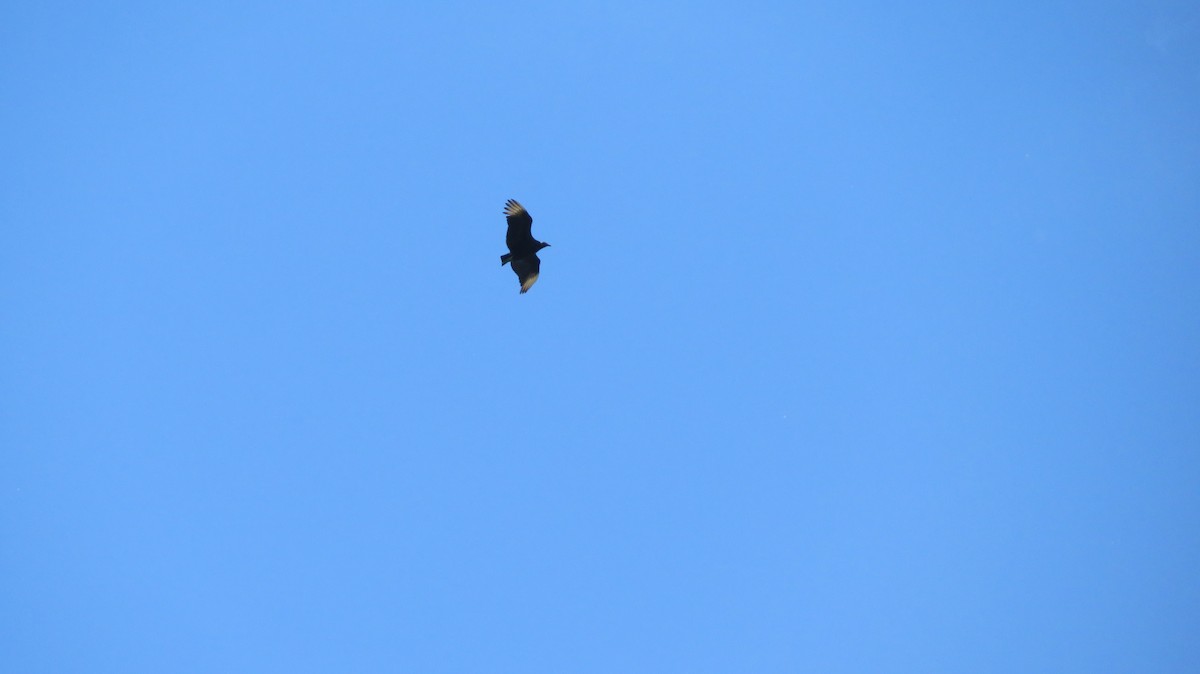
column 868, row 340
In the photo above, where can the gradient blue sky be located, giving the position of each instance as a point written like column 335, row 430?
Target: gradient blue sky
column 868, row 340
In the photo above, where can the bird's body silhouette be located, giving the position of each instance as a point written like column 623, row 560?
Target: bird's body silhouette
column 522, row 247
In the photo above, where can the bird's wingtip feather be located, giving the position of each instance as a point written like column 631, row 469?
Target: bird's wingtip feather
column 512, row 207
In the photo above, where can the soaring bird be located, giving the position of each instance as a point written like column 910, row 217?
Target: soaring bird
column 522, row 247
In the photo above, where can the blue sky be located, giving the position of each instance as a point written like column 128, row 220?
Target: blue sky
column 866, row 343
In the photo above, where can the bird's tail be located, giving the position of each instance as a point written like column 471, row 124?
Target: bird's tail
column 505, row 258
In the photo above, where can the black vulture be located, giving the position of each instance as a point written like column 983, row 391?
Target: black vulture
column 522, row 247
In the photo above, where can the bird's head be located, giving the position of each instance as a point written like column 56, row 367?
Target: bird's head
column 542, row 245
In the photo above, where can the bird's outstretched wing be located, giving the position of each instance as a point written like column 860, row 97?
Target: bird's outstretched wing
column 527, row 269
column 520, row 224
